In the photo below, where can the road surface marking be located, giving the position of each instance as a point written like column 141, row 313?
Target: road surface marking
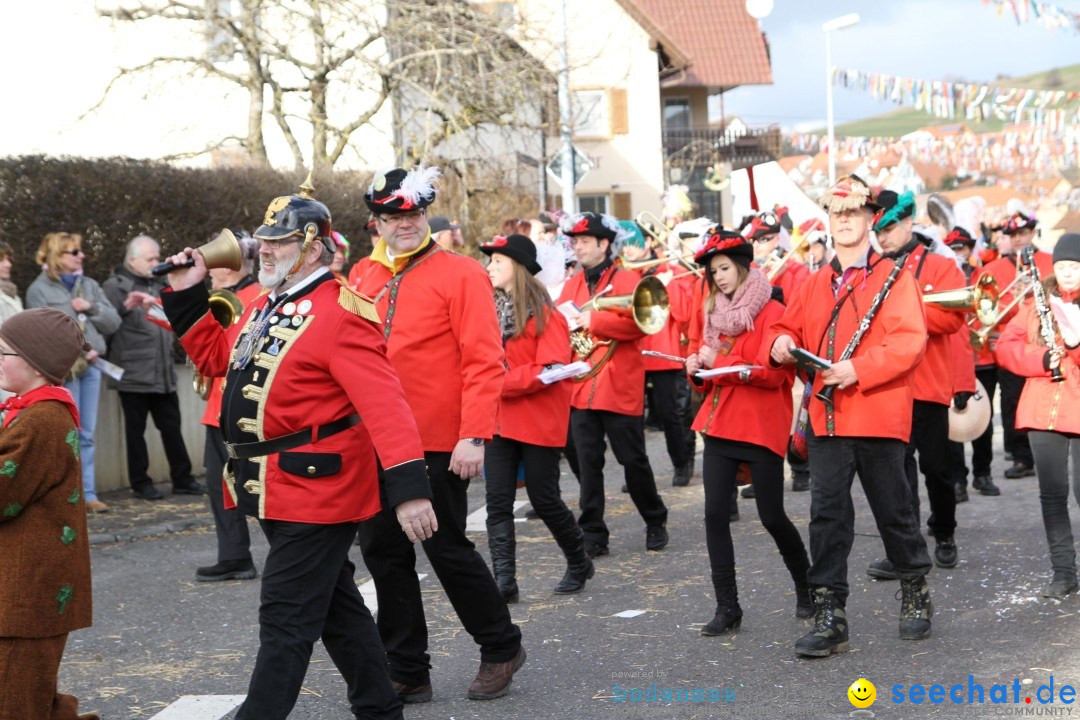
column 367, row 590
column 477, row 520
column 200, row 707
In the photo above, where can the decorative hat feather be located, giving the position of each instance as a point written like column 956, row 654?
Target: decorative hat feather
column 849, row 193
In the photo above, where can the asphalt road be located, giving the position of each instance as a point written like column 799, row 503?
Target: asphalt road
column 158, row 635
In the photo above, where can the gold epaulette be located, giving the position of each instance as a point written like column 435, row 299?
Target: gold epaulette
column 358, row 304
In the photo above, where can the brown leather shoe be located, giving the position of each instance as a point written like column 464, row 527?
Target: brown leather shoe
column 412, row 693
column 493, row 680
column 96, row 506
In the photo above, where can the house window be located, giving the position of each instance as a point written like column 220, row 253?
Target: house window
column 591, row 113
column 676, row 113
column 593, row 203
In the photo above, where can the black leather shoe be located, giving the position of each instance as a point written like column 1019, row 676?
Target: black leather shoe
column 148, row 492
column 1060, row 587
column 985, row 486
column 800, row 483
column 656, row 537
column 226, row 570
column 882, row 570
column 961, row 492
column 945, row 555
column 194, row 488
column 594, row 549
column 412, row 693
column 1019, row 470
column 748, row 492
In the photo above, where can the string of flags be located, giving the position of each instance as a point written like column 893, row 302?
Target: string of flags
column 966, row 101
column 1050, row 16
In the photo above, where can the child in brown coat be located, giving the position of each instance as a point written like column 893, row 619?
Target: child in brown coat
column 45, row 573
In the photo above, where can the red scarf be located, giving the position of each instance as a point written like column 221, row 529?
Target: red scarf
column 18, row 403
column 1069, row 296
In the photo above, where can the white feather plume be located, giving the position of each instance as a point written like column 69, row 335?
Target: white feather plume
column 418, row 183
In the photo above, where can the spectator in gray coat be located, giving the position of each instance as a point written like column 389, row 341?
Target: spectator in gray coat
column 63, row 286
column 148, row 387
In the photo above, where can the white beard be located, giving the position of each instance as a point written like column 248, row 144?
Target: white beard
column 271, row 279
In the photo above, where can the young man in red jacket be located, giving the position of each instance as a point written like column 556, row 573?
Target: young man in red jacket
column 442, row 335
column 867, row 424
column 932, row 381
column 764, row 232
column 612, row 401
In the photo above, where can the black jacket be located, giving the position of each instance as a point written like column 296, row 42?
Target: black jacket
column 142, row 348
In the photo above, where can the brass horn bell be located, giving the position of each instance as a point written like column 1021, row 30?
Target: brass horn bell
column 648, row 305
column 224, row 251
column 980, row 298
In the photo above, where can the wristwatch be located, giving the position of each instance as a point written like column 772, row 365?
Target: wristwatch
column 475, row 442
column 744, row 375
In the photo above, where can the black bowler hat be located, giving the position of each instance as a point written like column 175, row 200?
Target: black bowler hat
column 601, row 227
column 720, row 241
column 400, row 191
column 516, row 247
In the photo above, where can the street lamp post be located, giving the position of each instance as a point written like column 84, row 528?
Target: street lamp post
column 844, row 21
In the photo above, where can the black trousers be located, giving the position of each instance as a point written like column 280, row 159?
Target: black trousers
column 626, row 433
column 165, row 409
column 982, row 447
column 570, row 452
column 501, row 460
column 308, row 592
column 930, row 438
column 719, row 470
column 669, row 397
column 1016, row 441
column 464, row 575
column 880, row 465
column 233, row 539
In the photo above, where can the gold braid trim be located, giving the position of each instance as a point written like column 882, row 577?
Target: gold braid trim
column 358, row 304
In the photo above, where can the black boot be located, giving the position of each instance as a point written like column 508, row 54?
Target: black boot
column 882, row 570
column 800, row 482
column 945, row 555
column 501, row 545
column 985, row 485
column 915, row 608
column 797, row 567
column 682, row 474
column 728, row 613
column 830, row 631
column 579, row 567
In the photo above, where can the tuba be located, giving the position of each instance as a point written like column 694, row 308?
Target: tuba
column 226, row 308
column 648, row 305
column 980, row 298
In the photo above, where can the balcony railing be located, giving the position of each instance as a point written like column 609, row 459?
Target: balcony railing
column 742, row 148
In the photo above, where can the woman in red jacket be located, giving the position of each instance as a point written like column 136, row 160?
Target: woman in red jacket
column 1051, row 410
column 740, row 417
column 533, row 417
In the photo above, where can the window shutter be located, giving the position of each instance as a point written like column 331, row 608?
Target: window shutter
column 619, row 115
column 621, row 203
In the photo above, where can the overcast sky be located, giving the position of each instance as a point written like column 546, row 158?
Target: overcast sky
column 927, row 39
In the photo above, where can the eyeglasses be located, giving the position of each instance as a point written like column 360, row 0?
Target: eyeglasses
column 764, row 239
column 401, row 217
column 276, row 245
column 74, row 251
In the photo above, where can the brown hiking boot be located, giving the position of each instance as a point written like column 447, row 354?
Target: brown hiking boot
column 493, row 680
column 412, row 693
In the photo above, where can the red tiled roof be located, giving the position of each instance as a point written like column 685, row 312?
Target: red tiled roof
column 722, row 41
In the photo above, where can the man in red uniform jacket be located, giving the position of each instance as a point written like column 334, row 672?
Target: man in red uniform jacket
column 612, row 401
column 932, row 381
column 303, row 366
column 866, row 426
column 764, row 233
column 443, row 338
column 1019, row 231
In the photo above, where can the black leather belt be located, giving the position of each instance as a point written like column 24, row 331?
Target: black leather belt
column 243, row 451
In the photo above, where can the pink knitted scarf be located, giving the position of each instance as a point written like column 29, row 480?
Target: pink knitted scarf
column 734, row 316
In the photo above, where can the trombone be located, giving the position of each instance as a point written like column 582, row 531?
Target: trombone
column 648, row 305
column 646, row 221
column 643, row 264
column 980, row 298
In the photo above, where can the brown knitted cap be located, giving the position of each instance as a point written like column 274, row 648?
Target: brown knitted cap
column 47, row 339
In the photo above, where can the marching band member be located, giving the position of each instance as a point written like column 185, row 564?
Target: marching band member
column 305, row 462
column 1048, row 410
column 739, row 417
column 764, row 233
column 443, row 339
column 1017, row 233
column 932, row 380
column 612, row 401
column 960, row 242
column 532, row 416
column 866, row 426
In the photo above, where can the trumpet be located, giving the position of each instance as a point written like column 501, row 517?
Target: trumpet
column 648, row 305
column 979, row 337
column 226, row 308
column 645, row 221
column 980, row 298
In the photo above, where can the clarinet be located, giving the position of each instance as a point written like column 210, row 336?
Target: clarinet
column 1042, row 308
column 826, row 393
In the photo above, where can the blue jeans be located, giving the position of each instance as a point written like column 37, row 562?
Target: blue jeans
column 880, row 465
column 87, row 392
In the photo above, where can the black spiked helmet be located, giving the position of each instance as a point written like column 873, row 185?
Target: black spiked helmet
column 292, row 216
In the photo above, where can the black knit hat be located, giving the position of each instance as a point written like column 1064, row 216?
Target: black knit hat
column 49, row 341
column 720, row 241
column 516, row 247
column 401, row 191
column 1067, row 248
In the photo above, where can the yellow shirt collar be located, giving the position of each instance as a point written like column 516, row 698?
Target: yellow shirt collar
column 400, row 261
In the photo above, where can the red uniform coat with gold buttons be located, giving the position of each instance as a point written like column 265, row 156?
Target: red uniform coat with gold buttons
column 444, row 342
column 211, row 415
column 879, row 404
column 1003, row 270
column 620, row 385
column 757, row 410
column 530, row 411
column 1044, row 404
column 320, row 361
column 933, row 378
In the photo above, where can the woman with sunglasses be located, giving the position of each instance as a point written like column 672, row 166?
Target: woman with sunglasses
column 62, row 285
column 532, row 416
column 740, row 417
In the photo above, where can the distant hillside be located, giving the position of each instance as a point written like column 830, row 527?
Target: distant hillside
column 904, row 120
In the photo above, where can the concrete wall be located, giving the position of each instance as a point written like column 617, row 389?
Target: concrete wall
column 110, row 459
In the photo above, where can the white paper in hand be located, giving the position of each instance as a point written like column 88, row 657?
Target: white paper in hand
column 570, row 310
column 716, row 372
column 1068, row 318
column 562, row 372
